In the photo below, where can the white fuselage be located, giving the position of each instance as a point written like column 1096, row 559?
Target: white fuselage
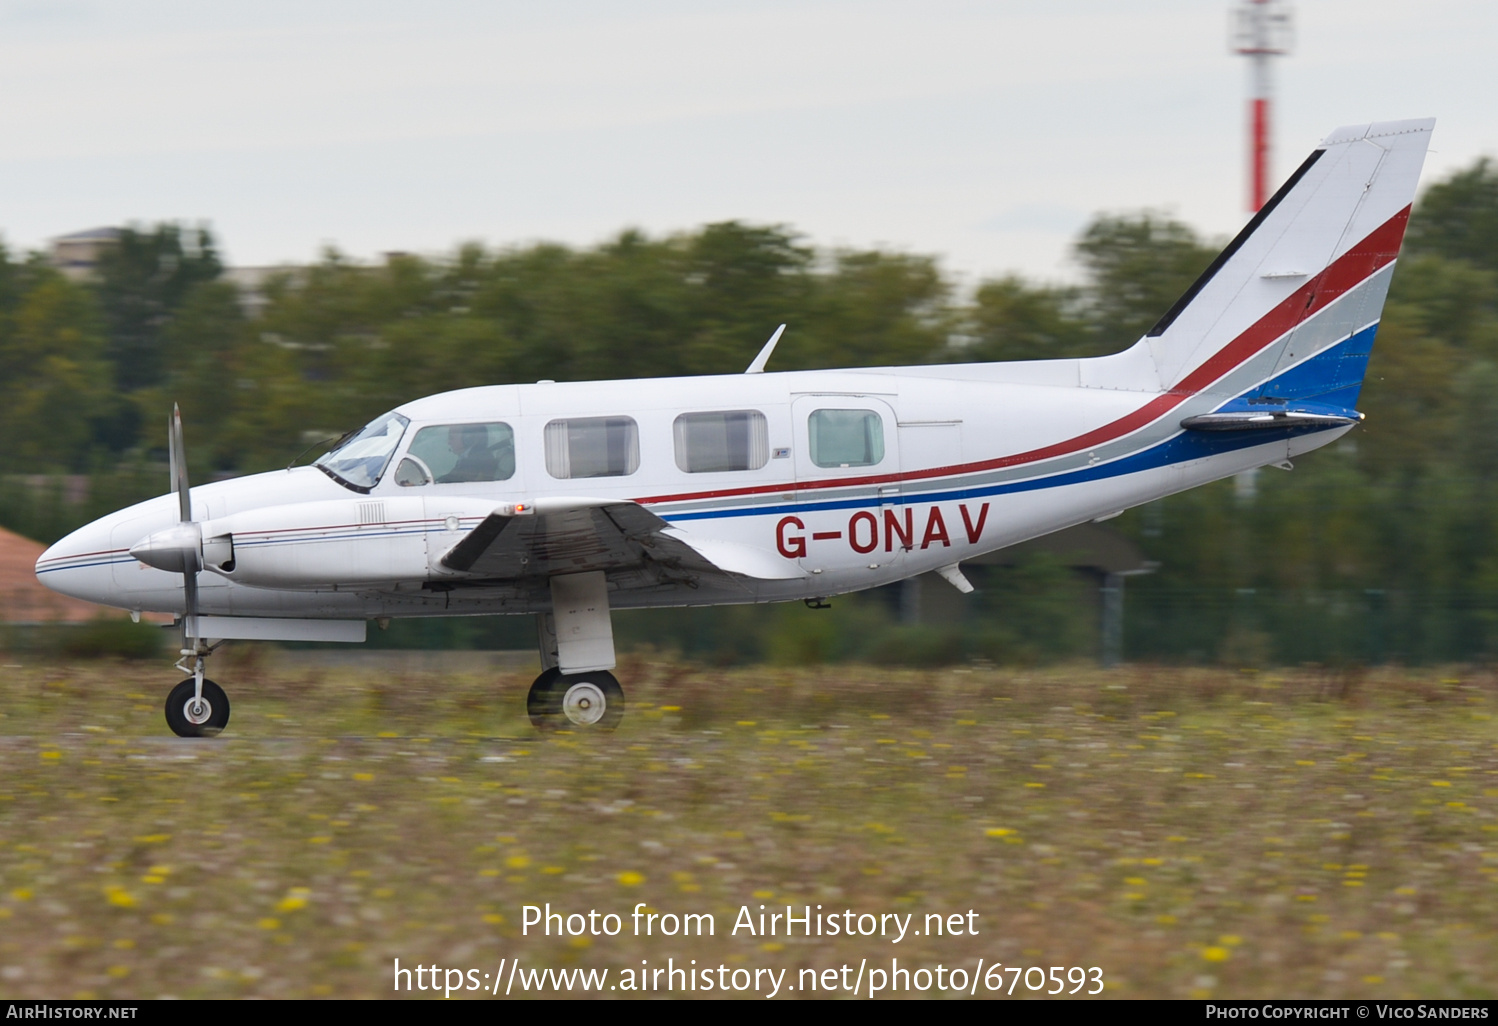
column 974, row 458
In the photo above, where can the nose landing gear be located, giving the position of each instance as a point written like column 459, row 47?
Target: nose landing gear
column 197, row 707
column 191, row 715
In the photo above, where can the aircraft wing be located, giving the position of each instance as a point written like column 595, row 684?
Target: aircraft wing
column 634, row 546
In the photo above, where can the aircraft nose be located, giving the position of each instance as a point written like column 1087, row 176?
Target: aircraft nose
column 80, row 565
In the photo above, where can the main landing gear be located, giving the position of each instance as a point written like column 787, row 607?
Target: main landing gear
column 575, row 701
column 576, row 691
column 197, row 707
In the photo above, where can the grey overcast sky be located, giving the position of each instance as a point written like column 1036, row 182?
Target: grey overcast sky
column 986, row 133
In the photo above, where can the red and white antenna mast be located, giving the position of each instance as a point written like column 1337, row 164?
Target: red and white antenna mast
column 1261, row 30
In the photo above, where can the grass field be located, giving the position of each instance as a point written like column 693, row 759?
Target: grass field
column 1190, row 832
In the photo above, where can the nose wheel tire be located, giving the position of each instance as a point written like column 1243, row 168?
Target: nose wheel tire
column 575, row 701
column 190, row 718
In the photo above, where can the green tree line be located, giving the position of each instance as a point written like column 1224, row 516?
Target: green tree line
column 1383, row 546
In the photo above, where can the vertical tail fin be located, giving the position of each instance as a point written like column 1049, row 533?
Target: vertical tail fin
column 1289, row 309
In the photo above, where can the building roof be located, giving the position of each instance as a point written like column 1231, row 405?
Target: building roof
column 89, row 235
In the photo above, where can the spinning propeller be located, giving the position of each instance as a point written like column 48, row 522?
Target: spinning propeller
column 178, row 549
column 197, row 706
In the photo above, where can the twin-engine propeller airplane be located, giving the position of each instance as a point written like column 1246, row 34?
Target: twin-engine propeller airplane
column 565, row 501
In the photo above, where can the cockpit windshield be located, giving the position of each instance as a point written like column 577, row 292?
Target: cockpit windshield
column 359, row 462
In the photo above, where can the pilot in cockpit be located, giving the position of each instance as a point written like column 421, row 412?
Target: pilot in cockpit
column 476, row 461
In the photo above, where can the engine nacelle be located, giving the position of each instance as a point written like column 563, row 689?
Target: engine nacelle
column 340, row 543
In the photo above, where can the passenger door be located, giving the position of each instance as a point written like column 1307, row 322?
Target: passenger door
column 847, row 462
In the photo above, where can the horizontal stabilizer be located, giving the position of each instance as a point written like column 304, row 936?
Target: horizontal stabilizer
column 1259, row 416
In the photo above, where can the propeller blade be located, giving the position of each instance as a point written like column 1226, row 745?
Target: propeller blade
column 177, row 454
column 190, row 610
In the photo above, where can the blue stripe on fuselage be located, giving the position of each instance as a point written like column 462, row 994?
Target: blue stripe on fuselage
column 1329, row 376
column 1188, row 445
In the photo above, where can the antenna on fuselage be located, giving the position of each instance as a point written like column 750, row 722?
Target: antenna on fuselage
column 758, row 366
column 336, row 442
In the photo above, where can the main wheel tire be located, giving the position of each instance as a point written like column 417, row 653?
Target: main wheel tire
column 187, row 721
column 539, row 703
column 575, row 701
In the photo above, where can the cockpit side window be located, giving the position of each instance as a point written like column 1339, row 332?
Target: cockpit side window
column 359, row 462
column 458, row 453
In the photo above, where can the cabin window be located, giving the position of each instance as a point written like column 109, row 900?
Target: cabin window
column 846, row 438
column 360, row 459
column 459, row 453
column 592, row 447
column 708, row 443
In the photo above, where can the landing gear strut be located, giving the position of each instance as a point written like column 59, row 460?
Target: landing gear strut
column 576, row 691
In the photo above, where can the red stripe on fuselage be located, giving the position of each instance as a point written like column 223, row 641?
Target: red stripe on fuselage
column 1351, row 269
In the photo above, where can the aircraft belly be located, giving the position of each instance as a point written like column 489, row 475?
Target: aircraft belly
column 240, row 600
column 1305, row 443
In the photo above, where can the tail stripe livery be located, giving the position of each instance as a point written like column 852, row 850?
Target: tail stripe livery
column 1351, row 198
column 1305, row 282
column 1220, row 376
column 1351, row 270
column 1211, row 272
